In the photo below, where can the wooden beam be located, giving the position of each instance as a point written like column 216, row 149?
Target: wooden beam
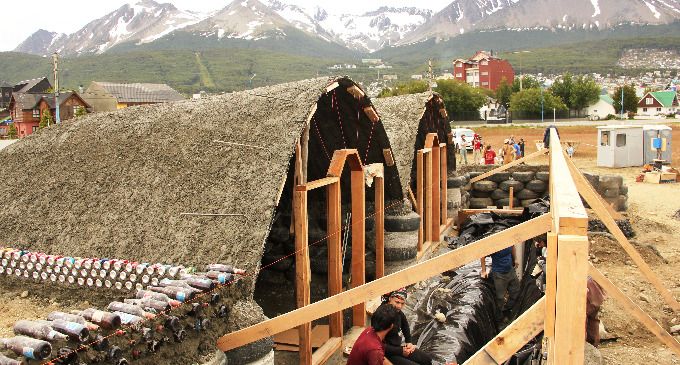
column 320, row 183
column 408, row 276
column 508, row 166
column 358, row 242
column 634, row 310
column 412, row 198
column 420, row 192
column 379, row 227
column 435, row 195
column 340, row 157
column 600, row 209
column 565, row 202
column 584, row 187
column 512, row 338
column 323, row 353
column 334, row 233
column 570, row 299
column 550, row 291
column 427, row 202
column 444, row 184
column 512, row 196
column 302, row 274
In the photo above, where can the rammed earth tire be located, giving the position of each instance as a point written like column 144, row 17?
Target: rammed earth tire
column 516, row 185
column 525, row 203
column 611, row 193
column 480, row 194
column 537, row 186
column 610, row 182
column 523, row 176
column 401, row 246
column 500, row 203
column 499, row 176
column 480, row 203
column 623, row 190
column 402, row 223
column 526, row 194
column 593, row 179
column 484, row 185
column 455, row 182
column 499, row 194
column 543, row 176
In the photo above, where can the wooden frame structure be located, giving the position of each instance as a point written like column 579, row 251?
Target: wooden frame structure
column 333, row 237
column 560, row 314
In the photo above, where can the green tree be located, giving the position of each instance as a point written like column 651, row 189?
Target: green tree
column 460, row 97
column 528, row 82
column 45, row 119
column 529, row 101
column 404, row 88
column 12, row 132
column 584, row 92
column 80, row 111
column 563, row 87
column 630, row 100
column 504, row 92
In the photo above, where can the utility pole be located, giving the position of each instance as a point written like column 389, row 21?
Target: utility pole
column 55, row 61
column 542, row 120
column 429, row 67
column 623, row 87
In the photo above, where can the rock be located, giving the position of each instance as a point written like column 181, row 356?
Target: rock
column 24, row 294
column 592, row 355
column 629, row 263
column 674, row 320
column 675, row 329
column 439, row 316
column 643, row 298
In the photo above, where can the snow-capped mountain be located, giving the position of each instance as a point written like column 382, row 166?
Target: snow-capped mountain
column 141, row 22
column 463, row 16
column 39, row 42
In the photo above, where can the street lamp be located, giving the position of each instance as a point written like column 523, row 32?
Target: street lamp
column 520, row 66
column 541, row 102
column 251, row 80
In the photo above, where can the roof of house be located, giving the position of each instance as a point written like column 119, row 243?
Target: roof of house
column 27, row 85
column 4, row 84
column 141, row 93
column 125, row 177
column 30, row 101
column 607, row 99
column 666, row 98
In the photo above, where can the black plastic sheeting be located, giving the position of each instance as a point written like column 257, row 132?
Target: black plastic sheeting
column 467, row 301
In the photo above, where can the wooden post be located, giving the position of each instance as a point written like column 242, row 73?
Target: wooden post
column 570, row 314
column 550, row 292
column 358, row 242
column 420, row 192
column 427, row 203
column 302, row 273
column 444, row 184
column 334, row 233
column 435, row 202
column 379, row 227
column 512, row 196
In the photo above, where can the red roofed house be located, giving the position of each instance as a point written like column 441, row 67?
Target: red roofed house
column 26, row 109
column 483, row 70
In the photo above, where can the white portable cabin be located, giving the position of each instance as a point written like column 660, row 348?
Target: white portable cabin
column 620, row 146
column 660, row 148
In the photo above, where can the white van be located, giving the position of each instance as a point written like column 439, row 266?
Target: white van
column 469, row 135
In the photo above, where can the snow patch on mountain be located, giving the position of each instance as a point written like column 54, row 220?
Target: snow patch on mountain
column 652, row 8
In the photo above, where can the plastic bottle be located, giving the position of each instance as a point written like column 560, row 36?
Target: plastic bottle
column 157, row 296
column 4, row 360
column 27, row 347
column 179, row 284
column 225, row 268
column 180, row 294
column 130, row 309
column 156, row 305
column 66, row 317
column 75, row 331
column 198, row 282
column 220, row 277
column 127, row 318
column 105, row 319
column 37, row 330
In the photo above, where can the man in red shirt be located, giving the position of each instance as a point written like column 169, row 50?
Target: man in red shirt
column 489, row 155
column 368, row 348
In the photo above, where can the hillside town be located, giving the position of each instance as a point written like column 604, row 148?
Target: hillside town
column 270, row 182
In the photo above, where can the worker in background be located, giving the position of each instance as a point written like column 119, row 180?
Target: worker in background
column 518, row 151
column 368, row 348
column 570, row 150
column 594, row 299
column 521, row 146
column 477, row 149
column 489, row 155
column 399, row 353
column 463, row 149
column 508, row 152
column 546, row 135
column 504, row 279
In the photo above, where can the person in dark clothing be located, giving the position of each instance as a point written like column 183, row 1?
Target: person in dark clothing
column 546, row 135
column 504, row 278
column 521, row 147
column 368, row 348
column 396, row 352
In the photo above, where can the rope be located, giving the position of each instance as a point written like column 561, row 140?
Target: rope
column 334, row 105
column 318, row 133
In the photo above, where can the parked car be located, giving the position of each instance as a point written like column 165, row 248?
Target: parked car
column 469, row 136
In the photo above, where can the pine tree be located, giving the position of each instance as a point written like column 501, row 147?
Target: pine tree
column 12, row 132
column 45, row 119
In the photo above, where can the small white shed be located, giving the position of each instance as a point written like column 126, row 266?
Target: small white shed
column 620, row 146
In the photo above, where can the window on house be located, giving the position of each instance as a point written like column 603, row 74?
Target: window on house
column 604, row 138
column 459, row 75
column 34, row 128
column 649, row 101
column 36, row 113
column 658, row 109
column 485, row 73
column 485, row 83
column 621, row 140
column 644, row 109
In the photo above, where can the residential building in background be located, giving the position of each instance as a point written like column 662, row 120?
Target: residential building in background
column 26, row 109
column 658, row 102
column 5, row 94
column 602, row 108
column 109, row 96
column 483, row 70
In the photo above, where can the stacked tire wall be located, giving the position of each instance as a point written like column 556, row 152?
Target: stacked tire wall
column 528, row 183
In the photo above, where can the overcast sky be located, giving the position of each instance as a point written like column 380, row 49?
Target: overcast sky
column 22, row 18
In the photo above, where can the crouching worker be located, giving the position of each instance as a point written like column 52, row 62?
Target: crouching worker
column 368, row 348
column 396, row 352
column 504, row 278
